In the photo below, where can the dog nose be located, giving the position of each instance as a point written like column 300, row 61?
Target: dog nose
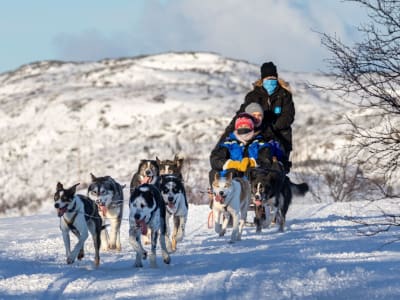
column 56, row 205
column 148, row 172
column 221, row 193
column 257, row 197
column 137, row 216
column 170, row 199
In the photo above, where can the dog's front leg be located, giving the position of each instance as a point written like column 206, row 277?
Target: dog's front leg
column 152, row 258
column 217, row 221
column 115, row 242
column 235, row 224
column 82, row 237
column 135, row 241
column 180, row 223
column 169, row 245
column 67, row 243
column 104, row 236
column 225, row 222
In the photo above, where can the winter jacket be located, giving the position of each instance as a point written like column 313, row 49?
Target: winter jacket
column 232, row 148
column 279, row 113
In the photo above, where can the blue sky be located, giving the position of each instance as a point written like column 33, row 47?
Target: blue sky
column 254, row 30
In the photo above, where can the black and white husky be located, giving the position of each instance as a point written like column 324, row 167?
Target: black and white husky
column 272, row 195
column 108, row 195
column 148, row 171
column 79, row 215
column 147, row 211
column 232, row 196
column 173, row 192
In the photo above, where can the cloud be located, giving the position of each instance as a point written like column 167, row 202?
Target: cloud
column 282, row 31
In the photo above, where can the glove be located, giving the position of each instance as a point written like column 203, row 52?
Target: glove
column 238, row 165
column 252, row 163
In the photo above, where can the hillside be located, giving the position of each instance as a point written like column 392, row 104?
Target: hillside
column 60, row 121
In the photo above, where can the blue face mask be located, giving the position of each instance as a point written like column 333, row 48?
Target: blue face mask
column 270, row 85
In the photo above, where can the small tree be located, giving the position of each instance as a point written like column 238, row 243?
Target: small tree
column 370, row 69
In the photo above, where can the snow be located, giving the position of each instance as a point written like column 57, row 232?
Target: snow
column 62, row 121
column 321, row 255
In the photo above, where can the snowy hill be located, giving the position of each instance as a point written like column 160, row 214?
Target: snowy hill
column 319, row 256
column 60, row 121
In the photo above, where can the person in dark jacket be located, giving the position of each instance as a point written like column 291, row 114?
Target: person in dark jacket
column 241, row 150
column 275, row 97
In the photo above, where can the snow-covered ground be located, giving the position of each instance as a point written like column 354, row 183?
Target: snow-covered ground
column 320, row 256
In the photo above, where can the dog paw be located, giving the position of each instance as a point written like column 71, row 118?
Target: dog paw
column 222, row 232
column 138, row 264
column 70, row 260
column 81, row 255
column 97, row 262
column 144, row 255
column 167, row 260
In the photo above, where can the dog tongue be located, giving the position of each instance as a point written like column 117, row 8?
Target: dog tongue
column 143, row 226
column 103, row 210
column 257, row 202
column 61, row 211
column 146, row 179
column 219, row 198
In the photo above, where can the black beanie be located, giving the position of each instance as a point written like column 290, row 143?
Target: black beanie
column 268, row 69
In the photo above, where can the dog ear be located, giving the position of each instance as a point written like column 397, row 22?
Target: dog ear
column 216, row 176
column 59, row 186
column 229, row 176
column 93, row 177
column 158, row 160
column 73, row 188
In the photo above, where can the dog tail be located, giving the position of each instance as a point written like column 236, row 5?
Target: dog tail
column 299, row 189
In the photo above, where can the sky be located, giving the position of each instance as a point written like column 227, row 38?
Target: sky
column 283, row 31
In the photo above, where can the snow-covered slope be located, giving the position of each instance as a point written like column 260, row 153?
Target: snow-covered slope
column 60, row 121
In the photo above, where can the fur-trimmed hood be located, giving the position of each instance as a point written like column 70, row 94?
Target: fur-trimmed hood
column 281, row 82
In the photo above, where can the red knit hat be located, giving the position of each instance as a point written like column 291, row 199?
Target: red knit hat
column 244, row 121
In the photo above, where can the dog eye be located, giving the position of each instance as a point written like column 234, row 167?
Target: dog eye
column 93, row 192
column 142, row 205
column 56, row 197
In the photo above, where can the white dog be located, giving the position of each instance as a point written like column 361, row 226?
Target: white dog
column 231, row 198
column 79, row 215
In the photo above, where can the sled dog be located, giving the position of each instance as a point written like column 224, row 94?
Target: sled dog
column 272, row 195
column 148, row 171
column 108, row 195
column 230, row 195
column 174, row 195
column 79, row 215
column 171, row 166
column 147, row 211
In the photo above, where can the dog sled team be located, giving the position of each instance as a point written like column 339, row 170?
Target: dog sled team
column 249, row 167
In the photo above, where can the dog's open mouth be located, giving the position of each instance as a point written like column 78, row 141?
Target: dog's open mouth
column 61, row 211
column 219, row 198
column 142, row 225
column 146, row 179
